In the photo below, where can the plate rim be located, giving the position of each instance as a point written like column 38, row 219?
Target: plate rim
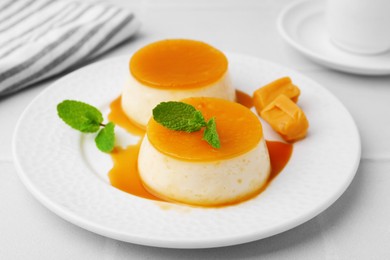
column 211, row 243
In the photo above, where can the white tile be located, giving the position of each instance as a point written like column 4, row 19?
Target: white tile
column 31, row 231
column 357, row 225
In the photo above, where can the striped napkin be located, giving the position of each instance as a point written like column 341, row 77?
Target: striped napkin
column 42, row 38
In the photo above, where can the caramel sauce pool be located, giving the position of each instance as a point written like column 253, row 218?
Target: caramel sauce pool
column 124, row 174
column 117, row 116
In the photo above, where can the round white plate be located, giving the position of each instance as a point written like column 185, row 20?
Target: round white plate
column 302, row 24
column 64, row 170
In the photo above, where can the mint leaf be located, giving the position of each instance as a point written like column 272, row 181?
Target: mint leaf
column 105, row 139
column 210, row 134
column 80, row 116
column 178, row 116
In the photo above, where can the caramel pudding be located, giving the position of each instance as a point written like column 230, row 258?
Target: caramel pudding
column 172, row 70
column 180, row 166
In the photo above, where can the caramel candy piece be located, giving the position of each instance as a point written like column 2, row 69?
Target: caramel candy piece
column 286, row 118
column 265, row 95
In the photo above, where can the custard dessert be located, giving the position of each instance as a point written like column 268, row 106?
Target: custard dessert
column 172, row 70
column 180, row 166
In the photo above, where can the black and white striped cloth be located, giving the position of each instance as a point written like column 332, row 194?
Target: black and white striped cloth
column 42, row 38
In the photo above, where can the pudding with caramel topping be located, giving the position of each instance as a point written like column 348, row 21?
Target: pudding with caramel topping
column 181, row 167
column 172, row 70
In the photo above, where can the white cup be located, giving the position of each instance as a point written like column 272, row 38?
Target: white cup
column 359, row 26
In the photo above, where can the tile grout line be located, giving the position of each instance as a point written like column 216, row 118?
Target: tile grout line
column 376, row 159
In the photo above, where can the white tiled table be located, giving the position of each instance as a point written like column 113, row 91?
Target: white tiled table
column 357, row 226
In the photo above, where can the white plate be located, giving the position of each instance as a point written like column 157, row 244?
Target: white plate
column 302, row 24
column 63, row 169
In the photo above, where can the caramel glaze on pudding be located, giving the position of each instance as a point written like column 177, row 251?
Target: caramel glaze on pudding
column 182, row 167
column 172, row 70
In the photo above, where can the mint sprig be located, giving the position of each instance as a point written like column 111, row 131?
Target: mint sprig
column 88, row 119
column 180, row 116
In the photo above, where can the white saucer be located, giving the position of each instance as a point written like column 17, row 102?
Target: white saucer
column 302, row 24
